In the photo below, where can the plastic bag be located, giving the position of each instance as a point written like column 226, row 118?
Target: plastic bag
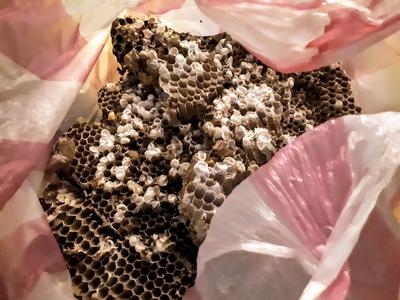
column 316, row 222
column 54, row 56
column 293, row 35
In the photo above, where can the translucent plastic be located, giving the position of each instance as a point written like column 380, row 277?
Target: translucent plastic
column 56, row 54
column 316, row 222
column 292, row 35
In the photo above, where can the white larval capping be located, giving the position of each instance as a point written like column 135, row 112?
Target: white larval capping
column 149, row 195
column 118, row 216
column 143, row 112
column 94, row 150
column 135, row 187
column 172, row 198
column 220, row 167
column 156, row 132
column 126, row 133
column 109, row 186
column 127, row 113
column 208, row 128
column 180, row 59
column 162, row 180
column 191, row 46
column 101, row 166
column 247, row 140
column 106, row 140
column 175, row 163
column 126, row 99
column 264, row 141
column 201, row 170
column 197, row 68
column 119, row 172
column 152, row 152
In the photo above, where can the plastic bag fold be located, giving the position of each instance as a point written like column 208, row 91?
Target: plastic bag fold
column 316, row 222
column 56, row 54
column 293, row 36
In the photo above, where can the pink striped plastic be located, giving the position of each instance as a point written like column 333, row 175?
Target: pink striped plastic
column 316, row 222
column 56, row 54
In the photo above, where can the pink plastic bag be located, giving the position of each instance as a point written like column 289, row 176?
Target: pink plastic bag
column 293, row 35
column 316, row 222
column 56, row 54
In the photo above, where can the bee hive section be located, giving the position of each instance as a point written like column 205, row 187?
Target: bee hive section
column 190, row 118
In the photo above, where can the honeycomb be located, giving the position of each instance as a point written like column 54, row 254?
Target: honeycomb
column 132, row 196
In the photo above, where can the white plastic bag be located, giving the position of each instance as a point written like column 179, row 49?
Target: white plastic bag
column 56, row 54
column 316, row 222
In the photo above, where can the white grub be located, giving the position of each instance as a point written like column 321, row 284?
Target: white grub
column 221, row 167
column 152, row 152
column 120, row 171
column 120, row 213
column 190, row 45
column 247, row 140
column 173, row 172
column 287, row 138
column 122, row 207
column 106, row 140
column 125, row 140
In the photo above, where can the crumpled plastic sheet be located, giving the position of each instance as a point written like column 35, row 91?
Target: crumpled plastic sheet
column 56, row 54
column 316, row 222
column 292, row 35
